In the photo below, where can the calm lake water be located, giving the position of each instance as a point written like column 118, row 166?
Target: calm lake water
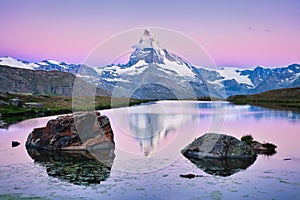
column 148, row 162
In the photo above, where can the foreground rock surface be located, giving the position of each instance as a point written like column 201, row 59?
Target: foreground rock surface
column 81, row 131
column 213, row 145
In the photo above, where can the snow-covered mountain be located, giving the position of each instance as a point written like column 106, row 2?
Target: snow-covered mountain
column 47, row 65
column 154, row 72
column 260, row 79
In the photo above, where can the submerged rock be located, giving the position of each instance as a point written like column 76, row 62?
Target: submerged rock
column 81, row 131
column 189, row 176
column 15, row 143
column 213, row 145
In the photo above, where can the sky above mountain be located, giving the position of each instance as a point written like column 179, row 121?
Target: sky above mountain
column 234, row 33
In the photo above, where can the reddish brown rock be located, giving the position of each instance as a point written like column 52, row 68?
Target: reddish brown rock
column 80, row 131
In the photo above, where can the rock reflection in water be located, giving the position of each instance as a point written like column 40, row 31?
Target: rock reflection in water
column 222, row 167
column 80, row 168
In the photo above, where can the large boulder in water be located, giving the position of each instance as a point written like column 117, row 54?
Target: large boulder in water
column 80, row 131
column 219, row 154
column 213, row 145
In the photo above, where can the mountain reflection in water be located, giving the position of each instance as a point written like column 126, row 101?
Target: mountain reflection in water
column 79, row 168
column 150, row 127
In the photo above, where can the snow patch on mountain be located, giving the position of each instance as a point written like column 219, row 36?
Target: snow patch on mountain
column 9, row 61
column 175, row 68
column 135, row 69
column 54, row 62
column 234, row 73
column 116, row 80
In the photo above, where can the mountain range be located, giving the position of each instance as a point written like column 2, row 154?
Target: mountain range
column 153, row 72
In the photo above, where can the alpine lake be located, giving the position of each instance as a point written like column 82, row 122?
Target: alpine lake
column 147, row 161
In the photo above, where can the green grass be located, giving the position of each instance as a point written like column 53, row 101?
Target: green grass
column 286, row 99
column 248, row 139
column 55, row 105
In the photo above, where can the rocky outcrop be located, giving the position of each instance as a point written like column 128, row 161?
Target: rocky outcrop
column 80, row 131
column 213, row 145
column 3, row 103
column 33, row 105
column 16, row 102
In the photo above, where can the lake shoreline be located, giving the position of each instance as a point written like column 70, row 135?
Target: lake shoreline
column 55, row 105
column 282, row 99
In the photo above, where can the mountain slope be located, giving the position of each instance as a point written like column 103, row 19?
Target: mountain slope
column 288, row 98
column 20, row 80
column 245, row 81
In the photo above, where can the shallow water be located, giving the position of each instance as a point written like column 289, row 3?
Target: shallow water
column 148, row 162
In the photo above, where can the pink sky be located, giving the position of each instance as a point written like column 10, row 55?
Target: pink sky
column 235, row 33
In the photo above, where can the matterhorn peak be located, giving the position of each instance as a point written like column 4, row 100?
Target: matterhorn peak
column 147, row 33
column 147, row 42
column 150, row 51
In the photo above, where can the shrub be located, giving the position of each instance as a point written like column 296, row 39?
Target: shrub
column 248, row 139
column 269, row 146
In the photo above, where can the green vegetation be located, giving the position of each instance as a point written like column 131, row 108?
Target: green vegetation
column 55, row 105
column 269, row 145
column 265, row 148
column 248, row 139
column 287, row 99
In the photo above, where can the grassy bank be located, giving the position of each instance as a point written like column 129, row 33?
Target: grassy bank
column 284, row 99
column 55, row 105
